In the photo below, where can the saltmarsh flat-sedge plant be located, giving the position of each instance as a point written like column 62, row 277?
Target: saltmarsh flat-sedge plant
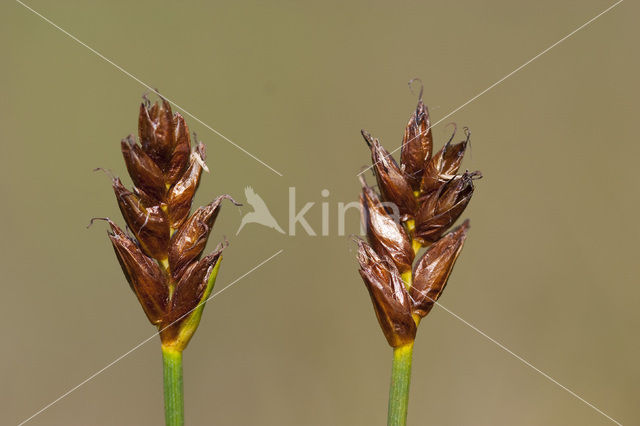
column 428, row 196
column 162, row 260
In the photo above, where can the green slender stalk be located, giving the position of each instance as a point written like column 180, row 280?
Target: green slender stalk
column 399, row 389
column 173, row 391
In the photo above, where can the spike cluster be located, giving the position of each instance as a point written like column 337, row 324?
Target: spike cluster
column 162, row 260
column 419, row 200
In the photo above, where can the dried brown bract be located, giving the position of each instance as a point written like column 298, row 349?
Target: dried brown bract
column 162, row 260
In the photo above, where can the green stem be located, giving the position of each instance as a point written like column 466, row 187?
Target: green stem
column 399, row 389
column 173, row 392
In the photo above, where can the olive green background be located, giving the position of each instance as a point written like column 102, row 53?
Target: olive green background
column 550, row 268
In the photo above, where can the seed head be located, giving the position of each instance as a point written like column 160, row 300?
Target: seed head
column 162, row 260
column 429, row 196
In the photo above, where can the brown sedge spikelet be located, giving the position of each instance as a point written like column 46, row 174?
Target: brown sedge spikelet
column 162, row 260
column 429, row 196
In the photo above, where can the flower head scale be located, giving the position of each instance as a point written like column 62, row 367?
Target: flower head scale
column 429, row 196
column 444, row 164
column 162, row 260
column 384, row 232
column 146, row 278
column 417, row 145
column 431, row 273
column 442, row 207
column 390, row 299
column 392, row 180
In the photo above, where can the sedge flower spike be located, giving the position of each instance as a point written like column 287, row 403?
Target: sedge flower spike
column 162, row 259
column 428, row 196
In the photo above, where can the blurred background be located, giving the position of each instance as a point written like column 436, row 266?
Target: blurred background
column 550, row 268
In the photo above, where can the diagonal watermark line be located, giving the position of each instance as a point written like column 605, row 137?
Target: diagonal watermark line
column 524, row 361
column 94, row 375
column 127, row 73
column 504, row 78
